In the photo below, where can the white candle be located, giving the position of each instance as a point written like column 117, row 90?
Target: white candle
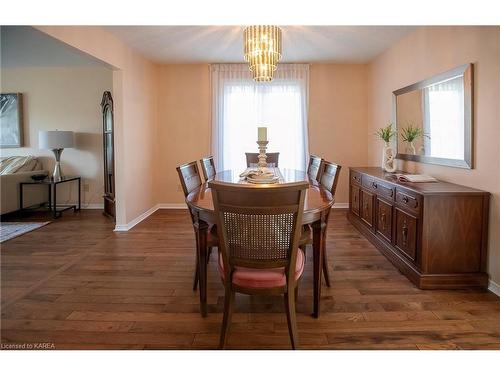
column 262, row 134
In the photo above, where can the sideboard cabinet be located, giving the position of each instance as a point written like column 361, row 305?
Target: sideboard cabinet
column 435, row 233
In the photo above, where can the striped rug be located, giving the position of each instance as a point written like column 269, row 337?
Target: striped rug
column 9, row 230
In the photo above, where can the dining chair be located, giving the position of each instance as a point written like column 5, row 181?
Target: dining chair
column 190, row 178
column 208, row 167
column 253, row 158
column 329, row 177
column 314, row 167
column 259, row 230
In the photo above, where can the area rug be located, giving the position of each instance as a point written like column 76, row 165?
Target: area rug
column 9, row 230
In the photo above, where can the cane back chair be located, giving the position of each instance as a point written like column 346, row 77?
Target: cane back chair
column 259, row 231
column 190, row 178
column 329, row 177
column 208, row 167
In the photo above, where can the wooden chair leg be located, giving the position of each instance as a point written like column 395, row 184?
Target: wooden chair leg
column 208, row 254
column 196, row 273
column 226, row 321
column 326, row 274
column 291, row 318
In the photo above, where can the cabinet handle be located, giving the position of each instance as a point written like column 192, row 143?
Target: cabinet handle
column 405, row 235
column 374, row 185
column 405, row 199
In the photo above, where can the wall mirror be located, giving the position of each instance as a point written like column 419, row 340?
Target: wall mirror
column 433, row 119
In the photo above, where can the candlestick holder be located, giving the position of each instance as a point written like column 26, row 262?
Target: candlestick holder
column 262, row 154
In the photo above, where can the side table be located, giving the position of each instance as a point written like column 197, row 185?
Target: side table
column 52, row 186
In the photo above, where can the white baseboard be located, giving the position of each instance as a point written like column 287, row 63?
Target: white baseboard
column 494, row 287
column 93, row 206
column 180, row 206
column 341, row 205
column 172, row 206
column 137, row 220
column 167, row 206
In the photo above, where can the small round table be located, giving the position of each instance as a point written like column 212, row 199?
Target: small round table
column 318, row 202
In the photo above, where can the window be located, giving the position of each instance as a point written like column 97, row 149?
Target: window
column 240, row 105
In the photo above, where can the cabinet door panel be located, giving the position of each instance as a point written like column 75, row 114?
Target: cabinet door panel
column 406, row 233
column 355, row 199
column 384, row 219
column 367, row 207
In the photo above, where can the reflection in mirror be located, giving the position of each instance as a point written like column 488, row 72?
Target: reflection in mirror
column 433, row 119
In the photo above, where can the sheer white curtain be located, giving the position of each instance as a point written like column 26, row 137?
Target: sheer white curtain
column 240, row 105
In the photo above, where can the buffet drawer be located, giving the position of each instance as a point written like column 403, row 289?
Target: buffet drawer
column 369, row 183
column 408, row 201
column 385, row 191
column 355, row 178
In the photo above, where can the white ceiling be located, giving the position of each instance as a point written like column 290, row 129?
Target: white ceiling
column 24, row 46
column 196, row 44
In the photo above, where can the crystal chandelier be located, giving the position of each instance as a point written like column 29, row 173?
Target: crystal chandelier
column 262, row 51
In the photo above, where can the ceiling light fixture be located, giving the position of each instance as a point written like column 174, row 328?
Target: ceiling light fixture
column 262, row 51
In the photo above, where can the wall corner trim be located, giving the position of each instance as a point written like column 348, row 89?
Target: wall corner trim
column 494, row 287
column 141, row 217
column 137, row 220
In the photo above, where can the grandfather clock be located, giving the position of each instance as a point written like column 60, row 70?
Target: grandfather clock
column 109, row 154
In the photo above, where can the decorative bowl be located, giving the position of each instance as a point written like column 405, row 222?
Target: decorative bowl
column 39, row 177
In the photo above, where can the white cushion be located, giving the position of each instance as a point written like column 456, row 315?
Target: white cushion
column 17, row 164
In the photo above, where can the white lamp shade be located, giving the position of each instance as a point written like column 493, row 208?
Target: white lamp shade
column 54, row 139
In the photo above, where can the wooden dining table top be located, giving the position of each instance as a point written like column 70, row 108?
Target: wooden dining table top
column 317, row 198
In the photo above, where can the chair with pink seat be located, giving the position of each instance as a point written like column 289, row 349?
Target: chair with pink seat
column 259, row 230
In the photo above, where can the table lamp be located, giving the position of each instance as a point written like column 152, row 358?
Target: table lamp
column 57, row 141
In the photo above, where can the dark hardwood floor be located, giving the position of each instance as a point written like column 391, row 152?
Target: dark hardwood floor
column 78, row 285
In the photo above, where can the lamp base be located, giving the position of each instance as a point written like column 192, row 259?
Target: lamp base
column 57, row 175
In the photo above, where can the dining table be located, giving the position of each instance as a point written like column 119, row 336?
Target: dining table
column 317, row 204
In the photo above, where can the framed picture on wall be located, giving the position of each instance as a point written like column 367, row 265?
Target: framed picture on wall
column 11, row 120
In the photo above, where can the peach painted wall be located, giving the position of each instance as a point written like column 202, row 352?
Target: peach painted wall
column 432, row 50
column 134, row 94
column 184, row 123
column 337, row 120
